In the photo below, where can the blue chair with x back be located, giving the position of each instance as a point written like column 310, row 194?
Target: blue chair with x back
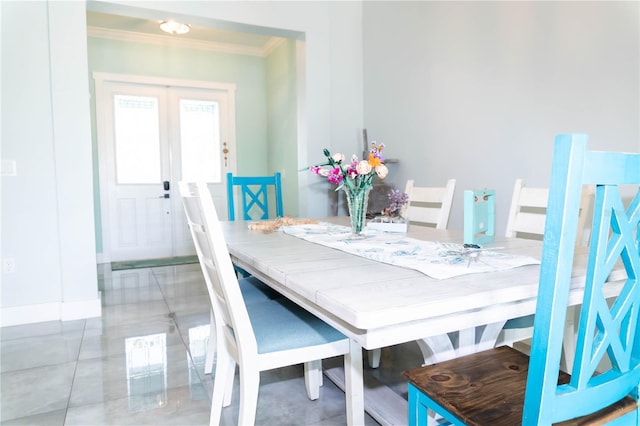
column 502, row 386
column 254, row 196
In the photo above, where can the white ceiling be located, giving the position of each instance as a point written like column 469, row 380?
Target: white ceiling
column 208, row 38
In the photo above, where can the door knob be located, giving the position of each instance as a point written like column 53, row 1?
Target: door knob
column 166, row 185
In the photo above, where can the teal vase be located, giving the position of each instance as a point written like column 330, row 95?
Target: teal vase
column 357, row 200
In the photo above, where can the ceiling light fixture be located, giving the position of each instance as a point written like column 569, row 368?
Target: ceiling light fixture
column 173, row 27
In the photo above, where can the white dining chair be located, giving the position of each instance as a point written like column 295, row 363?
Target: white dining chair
column 528, row 211
column 252, row 289
column 429, row 205
column 527, row 216
column 258, row 336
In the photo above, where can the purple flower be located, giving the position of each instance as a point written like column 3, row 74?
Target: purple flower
column 398, row 200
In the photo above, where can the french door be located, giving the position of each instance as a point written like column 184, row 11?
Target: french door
column 151, row 136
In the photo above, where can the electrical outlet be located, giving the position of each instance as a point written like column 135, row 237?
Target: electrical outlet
column 8, row 266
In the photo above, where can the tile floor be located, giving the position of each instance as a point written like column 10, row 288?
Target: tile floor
column 142, row 363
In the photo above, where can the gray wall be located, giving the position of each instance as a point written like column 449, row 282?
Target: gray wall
column 477, row 91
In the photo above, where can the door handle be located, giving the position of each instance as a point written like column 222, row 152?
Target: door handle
column 164, row 196
column 166, row 185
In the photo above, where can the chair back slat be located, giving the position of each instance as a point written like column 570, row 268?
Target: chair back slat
column 607, row 359
column 254, row 196
column 430, row 205
column 528, row 210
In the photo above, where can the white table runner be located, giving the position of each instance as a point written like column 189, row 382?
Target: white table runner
column 437, row 260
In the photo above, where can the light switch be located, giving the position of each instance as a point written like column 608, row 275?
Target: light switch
column 8, row 168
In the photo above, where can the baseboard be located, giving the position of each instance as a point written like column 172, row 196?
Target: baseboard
column 56, row 311
column 81, row 309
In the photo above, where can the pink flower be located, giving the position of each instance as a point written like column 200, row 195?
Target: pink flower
column 335, row 176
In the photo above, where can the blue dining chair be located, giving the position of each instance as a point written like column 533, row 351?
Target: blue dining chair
column 502, row 386
column 254, row 196
column 479, row 216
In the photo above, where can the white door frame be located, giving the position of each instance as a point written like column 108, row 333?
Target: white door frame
column 100, row 80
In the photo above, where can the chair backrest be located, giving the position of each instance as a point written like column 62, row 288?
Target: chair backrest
column 430, row 205
column 479, row 216
column 230, row 312
column 254, row 196
column 605, row 331
column 528, row 212
column 196, row 226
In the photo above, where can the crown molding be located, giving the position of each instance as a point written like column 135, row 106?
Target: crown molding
column 271, row 45
column 130, row 36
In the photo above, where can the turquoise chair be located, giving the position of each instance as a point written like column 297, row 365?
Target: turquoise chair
column 254, row 196
column 505, row 387
column 479, row 216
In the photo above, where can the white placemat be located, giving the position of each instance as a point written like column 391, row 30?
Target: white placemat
column 437, row 260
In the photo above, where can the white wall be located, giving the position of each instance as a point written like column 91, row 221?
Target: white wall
column 477, row 91
column 47, row 212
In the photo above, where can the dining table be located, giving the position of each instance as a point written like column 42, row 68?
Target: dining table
column 378, row 302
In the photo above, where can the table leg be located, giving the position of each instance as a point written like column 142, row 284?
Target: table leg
column 453, row 345
column 354, row 384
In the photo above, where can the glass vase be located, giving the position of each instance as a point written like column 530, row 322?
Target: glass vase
column 357, row 200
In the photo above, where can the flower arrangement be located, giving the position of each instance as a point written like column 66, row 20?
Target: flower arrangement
column 356, row 178
column 356, row 174
column 397, row 201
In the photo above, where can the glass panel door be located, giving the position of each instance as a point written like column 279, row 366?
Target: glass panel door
column 151, row 136
column 200, row 140
column 137, row 139
column 198, row 143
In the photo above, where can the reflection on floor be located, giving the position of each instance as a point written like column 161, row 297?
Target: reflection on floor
column 142, row 363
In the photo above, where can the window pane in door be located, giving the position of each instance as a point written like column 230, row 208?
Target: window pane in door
column 200, row 141
column 137, row 139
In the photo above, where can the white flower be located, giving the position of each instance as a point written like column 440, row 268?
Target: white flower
column 382, row 171
column 323, row 172
column 363, row 167
column 337, row 157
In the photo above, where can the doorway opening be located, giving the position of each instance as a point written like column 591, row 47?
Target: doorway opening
column 153, row 133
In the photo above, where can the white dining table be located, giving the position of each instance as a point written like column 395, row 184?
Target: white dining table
column 377, row 304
